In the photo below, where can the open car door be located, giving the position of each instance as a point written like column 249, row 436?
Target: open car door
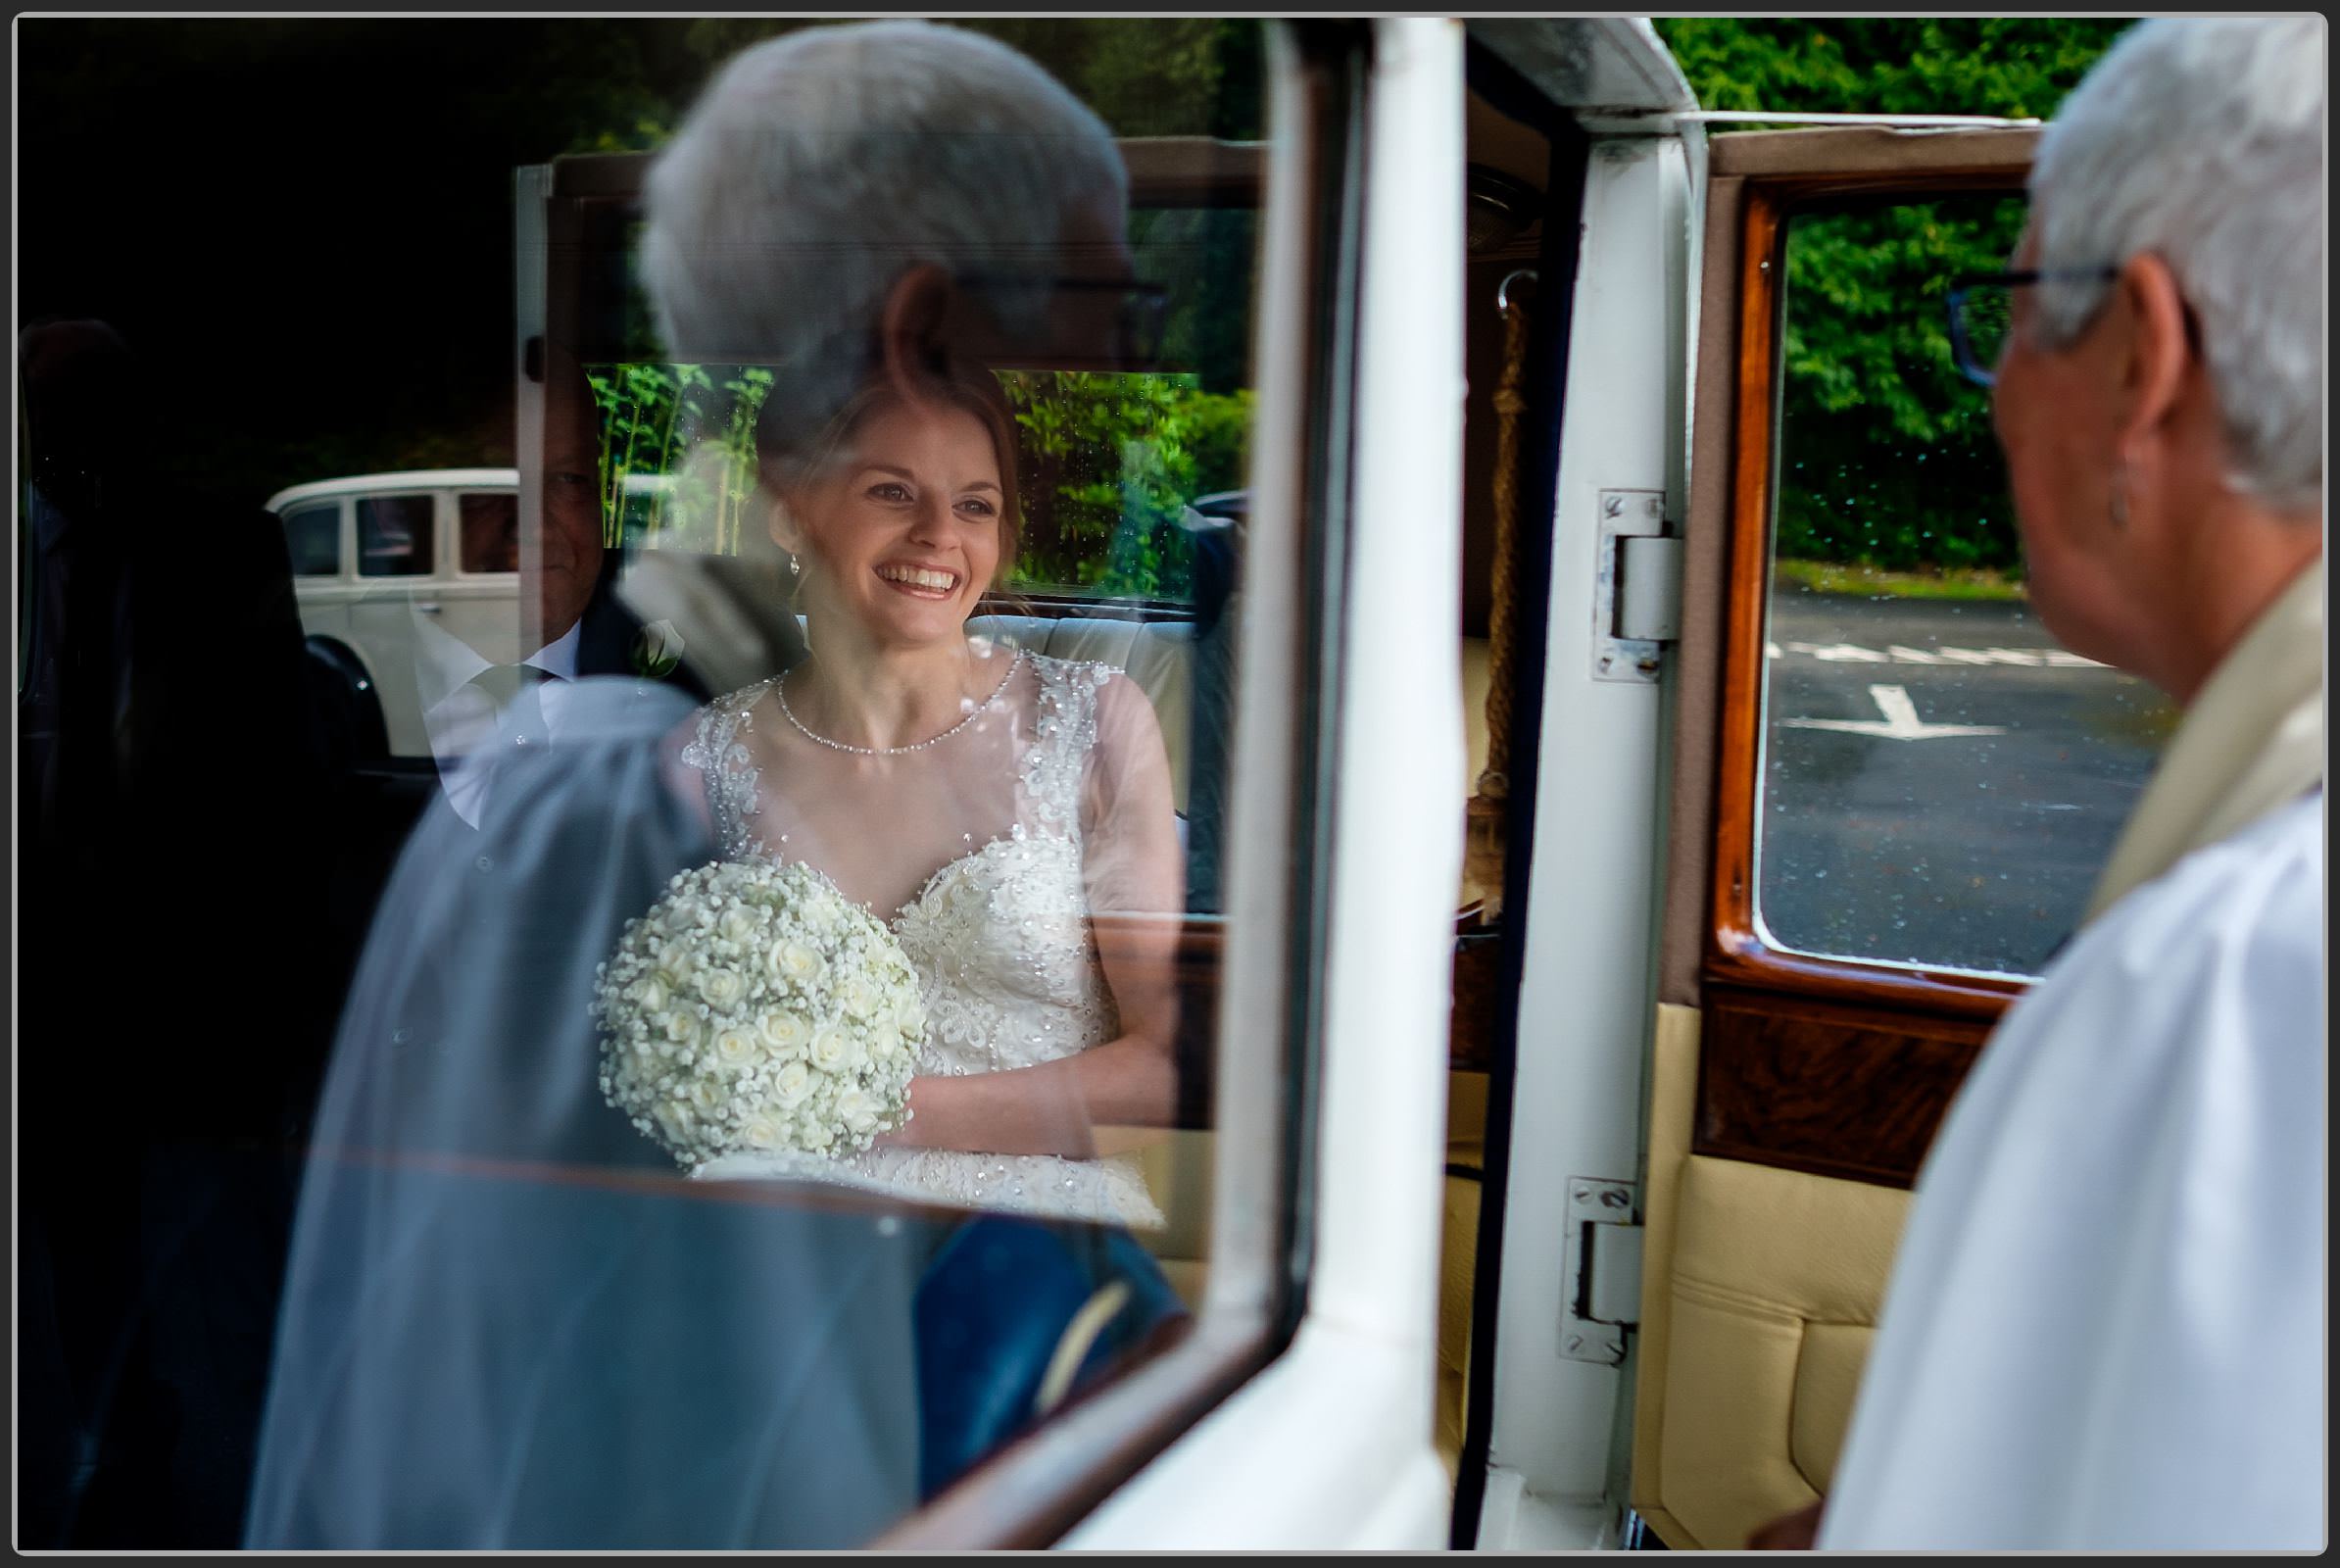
column 1887, row 805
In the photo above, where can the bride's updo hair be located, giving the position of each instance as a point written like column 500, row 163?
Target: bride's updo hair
column 787, row 462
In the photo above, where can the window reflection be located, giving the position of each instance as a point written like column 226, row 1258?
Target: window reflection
column 394, row 536
column 789, row 994
column 490, row 532
column 314, row 535
column 398, row 1268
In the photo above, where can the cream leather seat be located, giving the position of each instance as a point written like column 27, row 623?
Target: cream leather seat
column 1158, row 655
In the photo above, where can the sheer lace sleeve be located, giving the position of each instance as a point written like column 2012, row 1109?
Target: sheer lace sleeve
column 1131, row 857
column 726, row 768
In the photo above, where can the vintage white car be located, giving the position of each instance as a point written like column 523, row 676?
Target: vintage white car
column 375, row 555
column 383, row 564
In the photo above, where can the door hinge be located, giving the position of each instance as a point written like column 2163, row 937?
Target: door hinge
column 1601, row 1288
column 1637, row 586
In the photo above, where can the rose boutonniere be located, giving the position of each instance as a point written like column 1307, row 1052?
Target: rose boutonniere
column 658, row 651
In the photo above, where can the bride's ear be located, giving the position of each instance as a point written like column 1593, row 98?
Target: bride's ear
column 910, row 331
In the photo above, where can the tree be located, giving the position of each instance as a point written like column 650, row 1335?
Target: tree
column 1888, row 455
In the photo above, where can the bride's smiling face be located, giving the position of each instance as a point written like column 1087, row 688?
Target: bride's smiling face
column 903, row 534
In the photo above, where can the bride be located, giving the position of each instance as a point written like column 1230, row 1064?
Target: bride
column 983, row 800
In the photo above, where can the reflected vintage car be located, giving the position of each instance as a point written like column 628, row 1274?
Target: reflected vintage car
column 383, row 563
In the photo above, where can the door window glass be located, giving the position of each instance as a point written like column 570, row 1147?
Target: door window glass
column 394, row 536
column 313, row 536
column 704, row 1106
column 1941, row 781
column 490, row 531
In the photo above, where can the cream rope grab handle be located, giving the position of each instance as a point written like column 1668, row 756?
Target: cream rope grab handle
column 1483, row 844
column 1510, row 403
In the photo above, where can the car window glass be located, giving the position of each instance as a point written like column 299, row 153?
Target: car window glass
column 613, row 1232
column 490, row 532
column 314, row 535
column 394, row 536
column 1940, row 779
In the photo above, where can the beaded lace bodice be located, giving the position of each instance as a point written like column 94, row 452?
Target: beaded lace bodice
column 1001, row 938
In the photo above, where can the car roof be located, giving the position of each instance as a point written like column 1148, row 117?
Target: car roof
column 391, row 483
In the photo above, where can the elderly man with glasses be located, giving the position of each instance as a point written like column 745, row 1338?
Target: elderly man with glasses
column 2105, row 1325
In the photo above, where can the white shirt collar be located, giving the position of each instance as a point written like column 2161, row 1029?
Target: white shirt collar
column 444, row 664
column 557, row 656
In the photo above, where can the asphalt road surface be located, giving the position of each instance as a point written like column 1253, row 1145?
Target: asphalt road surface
column 1941, row 782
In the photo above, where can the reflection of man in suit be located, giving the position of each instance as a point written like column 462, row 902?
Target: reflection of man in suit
column 568, row 611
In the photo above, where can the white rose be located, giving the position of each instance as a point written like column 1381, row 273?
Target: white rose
column 786, row 1033
column 676, row 1119
column 735, row 1049
column 834, row 1052
column 705, row 1097
column 658, row 650
column 675, row 958
column 738, row 924
column 682, row 1028
column 760, row 1132
column 856, row 1110
column 860, row 996
column 651, row 995
column 722, row 987
column 792, row 1086
column 883, row 1041
column 794, row 960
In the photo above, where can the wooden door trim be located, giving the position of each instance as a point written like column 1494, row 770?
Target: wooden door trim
column 1851, row 1091
column 1735, row 951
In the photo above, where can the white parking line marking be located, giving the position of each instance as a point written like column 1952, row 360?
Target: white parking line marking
column 1842, row 652
column 1901, row 722
column 1900, row 654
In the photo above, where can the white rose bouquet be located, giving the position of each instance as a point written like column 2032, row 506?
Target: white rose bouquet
column 755, row 1011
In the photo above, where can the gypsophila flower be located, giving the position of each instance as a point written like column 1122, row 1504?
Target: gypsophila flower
column 753, row 1008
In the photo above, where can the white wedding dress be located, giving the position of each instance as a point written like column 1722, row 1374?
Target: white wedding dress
column 1000, row 936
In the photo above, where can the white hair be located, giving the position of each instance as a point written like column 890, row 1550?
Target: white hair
column 821, row 164
column 2202, row 141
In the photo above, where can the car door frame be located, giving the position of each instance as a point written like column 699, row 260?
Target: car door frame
column 1825, row 1077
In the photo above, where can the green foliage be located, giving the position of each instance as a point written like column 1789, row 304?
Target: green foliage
column 1886, row 454
column 1106, row 466
column 677, row 451
column 2020, row 67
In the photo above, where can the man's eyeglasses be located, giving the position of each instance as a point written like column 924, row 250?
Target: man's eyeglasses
column 1139, row 323
column 1982, row 313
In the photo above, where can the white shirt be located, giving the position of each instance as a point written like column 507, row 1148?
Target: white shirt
column 2106, row 1323
column 462, row 719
